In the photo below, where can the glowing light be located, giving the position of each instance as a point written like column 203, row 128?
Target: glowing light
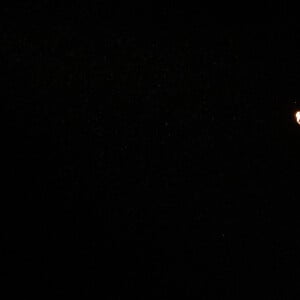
column 298, row 117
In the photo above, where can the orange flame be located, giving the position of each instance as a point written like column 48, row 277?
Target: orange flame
column 298, row 117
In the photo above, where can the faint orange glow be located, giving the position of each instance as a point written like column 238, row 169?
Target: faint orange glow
column 298, row 117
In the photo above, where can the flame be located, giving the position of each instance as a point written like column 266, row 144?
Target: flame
column 298, row 117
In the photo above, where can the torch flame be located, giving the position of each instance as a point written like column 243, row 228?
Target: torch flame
column 298, row 117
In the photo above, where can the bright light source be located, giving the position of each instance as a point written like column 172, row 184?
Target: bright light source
column 298, row 117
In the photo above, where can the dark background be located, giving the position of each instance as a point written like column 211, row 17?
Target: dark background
column 148, row 160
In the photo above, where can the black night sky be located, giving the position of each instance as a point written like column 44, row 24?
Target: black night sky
column 150, row 160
